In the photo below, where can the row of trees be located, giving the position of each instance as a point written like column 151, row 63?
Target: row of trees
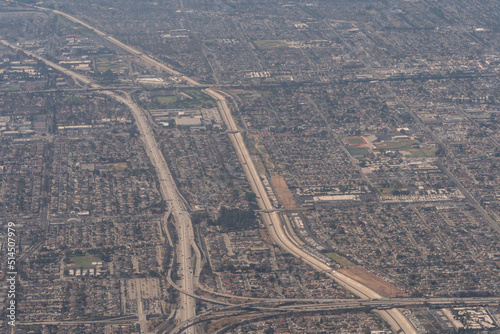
column 235, row 219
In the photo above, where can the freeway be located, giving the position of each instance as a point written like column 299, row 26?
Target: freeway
column 290, row 308
column 78, row 77
column 169, row 191
column 145, row 58
column 279, row 233
column 181, row 216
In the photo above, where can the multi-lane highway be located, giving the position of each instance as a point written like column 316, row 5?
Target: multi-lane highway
column 167, row 187
column 170, row 193
column 180, row 214
column 289, row 308
column 278, row 232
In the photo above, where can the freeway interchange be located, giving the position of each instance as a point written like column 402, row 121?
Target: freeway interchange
column 283, row 236
column 286, row 308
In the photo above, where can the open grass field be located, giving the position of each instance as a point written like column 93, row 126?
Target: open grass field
column 167, row 100
column 340, row 260
column 423, row 153
column 250, row 94
column 269, row 44
column 404, row 145
column 354, row 150
column 103, row 67
column 85, row 260
column 109, row 63
column 193, row 99
column 355, row 140
column 200, row 99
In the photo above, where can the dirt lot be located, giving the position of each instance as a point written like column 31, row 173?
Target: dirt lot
column 266, row 237
column 284, row 195
column 375, row 283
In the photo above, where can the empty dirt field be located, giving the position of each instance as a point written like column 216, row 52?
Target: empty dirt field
column 375, row 283
column 284, row 195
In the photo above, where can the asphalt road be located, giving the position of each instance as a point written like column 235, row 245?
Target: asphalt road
column 169, row 191
column 280, row 235
column 167, row 187
column 181, row 216
column 288, row 308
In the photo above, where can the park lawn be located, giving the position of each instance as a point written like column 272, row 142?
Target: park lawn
column 248, row 94
column 340, row 260
column 354, row 150
column 200, row 100
column 109, row 63
column 104, row 66
column 404, row 145
column 167, row 100
column 423, row 153
column 354, row 140
column 269, row 44
column 84, row 261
